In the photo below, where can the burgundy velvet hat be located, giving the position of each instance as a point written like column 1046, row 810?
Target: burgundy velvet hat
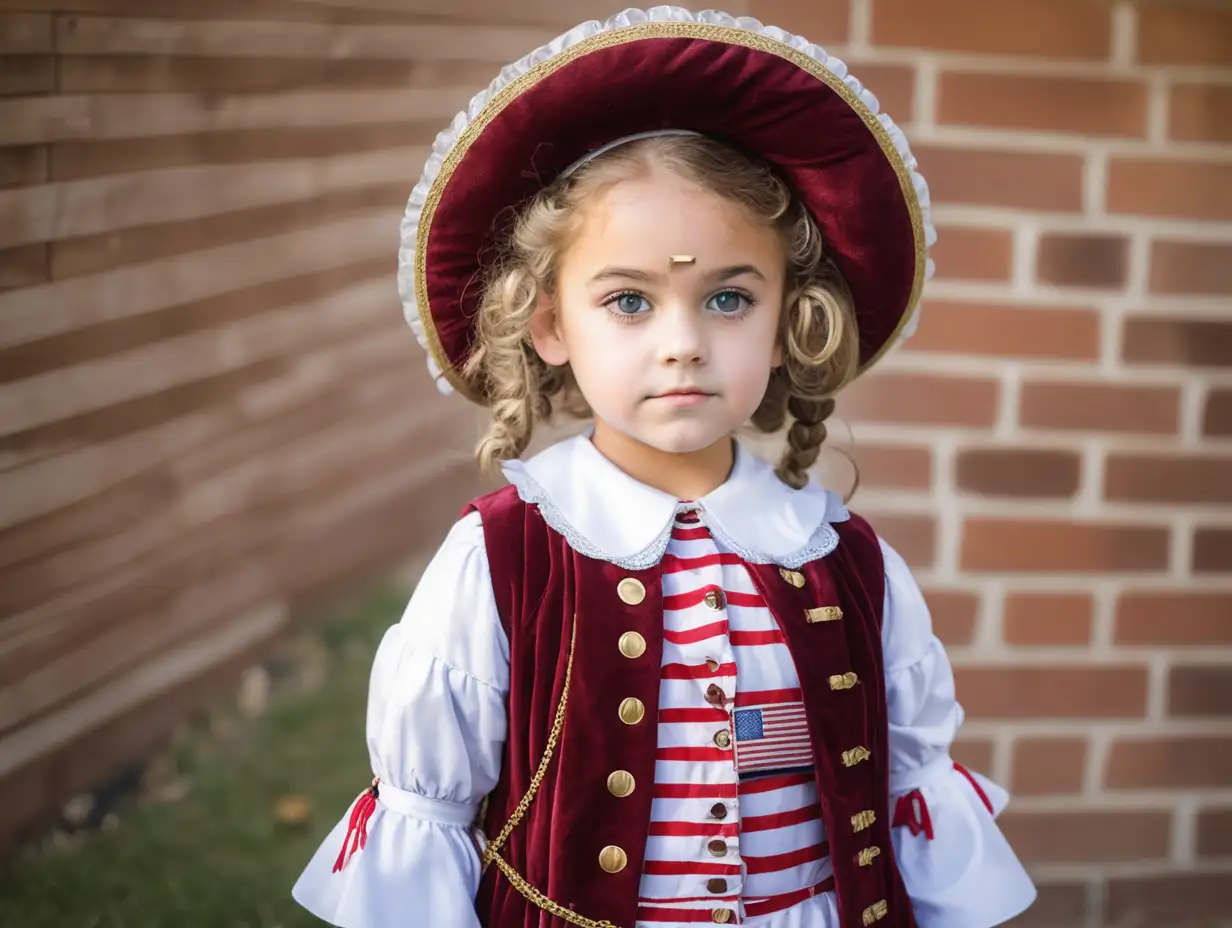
column 655, row 71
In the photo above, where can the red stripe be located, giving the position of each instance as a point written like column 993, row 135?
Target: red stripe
column 710, row 754
column 694, row 635
column 751, row 639
column 688, row 598
column 698, row 672
column 689, row 517
column 651, row 913
column 673, row 564
column 695, row 829
column 761, row 697
column 689, row 868
column 781, row 819
column 695, row 790
column 668, row 716
column 786, row 900
column 683, row 899
column 775, row 862
column 770, row 784
column 690, row 534
column 745, row 599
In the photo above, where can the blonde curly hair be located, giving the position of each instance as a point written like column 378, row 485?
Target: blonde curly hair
column 817, row 325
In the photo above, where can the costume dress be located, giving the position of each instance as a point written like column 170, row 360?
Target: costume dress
column 734, row 823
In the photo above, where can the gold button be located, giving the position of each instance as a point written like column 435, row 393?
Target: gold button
column 721, row 916
column 714, row 599
column 632, row 644
column 722, row 738
column 715, row 694
column 613, row 859
column 794, row 577
column 718, row 810
column 865, row 857
column 717, row 848
column 876, row 912
column 631, row 591
column 712, row 665
column 620, row 783
column 862, row 820
column 844, row 681
column 632, row 710
column 824, row 614
column 717, row 885
column 855, row 755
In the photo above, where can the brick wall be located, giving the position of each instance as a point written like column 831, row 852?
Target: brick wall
column 211, row 413
column 1053, row 453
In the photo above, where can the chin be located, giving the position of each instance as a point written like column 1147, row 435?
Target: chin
column 681, row 437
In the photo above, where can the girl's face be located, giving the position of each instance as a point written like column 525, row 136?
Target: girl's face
column 675, row 355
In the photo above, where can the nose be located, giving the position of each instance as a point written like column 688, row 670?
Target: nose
column 680, row 337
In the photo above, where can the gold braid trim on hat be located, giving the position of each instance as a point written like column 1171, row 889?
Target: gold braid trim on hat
column 724, row 34
column 491, row 853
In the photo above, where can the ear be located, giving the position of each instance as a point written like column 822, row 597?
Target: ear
column 545, row 334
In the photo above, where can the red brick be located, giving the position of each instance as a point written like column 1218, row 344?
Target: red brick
column 1047, row 619
column 1027, row 472
column 954, row 614
column 818, row 21
column 922, row 399
column 1201, row 113
column 1200, row 690
column 1198, row 762
column 1168, row 478
column 1048, row 766
column 1022, row 180
column 1217, row 417
column 27, row 74
column 973, row 753
column 1212, row 550
column 1181, row 189
column 1043, row 103
column 1101, row 407
column 1088, row 836
column 914, row 537
column 1056, row 692
column 1172, row 899
column 1058, row 905
column 23, row 266
column 25, row 33
column 1021, row 545
column 973, row 254
column 1191, row 342
column 899, row 467
column 1054, row 28
column 1007, row 331
column 1190, row 267
column 1215, row 833
column 1171, row 34
column 1173, row 618
column 20, row 165
column 1099, row 262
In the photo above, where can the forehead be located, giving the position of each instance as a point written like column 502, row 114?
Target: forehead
column 660, row 214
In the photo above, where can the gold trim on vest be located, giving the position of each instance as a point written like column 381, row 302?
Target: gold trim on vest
column 824, row 614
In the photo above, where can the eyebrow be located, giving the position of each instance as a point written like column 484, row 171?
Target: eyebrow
column 719, row 275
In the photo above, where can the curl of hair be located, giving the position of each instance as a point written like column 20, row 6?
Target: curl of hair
column 818, row 336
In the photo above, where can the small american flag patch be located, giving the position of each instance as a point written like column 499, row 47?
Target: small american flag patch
column 772, row 737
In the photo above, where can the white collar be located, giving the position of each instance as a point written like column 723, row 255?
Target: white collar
column 604, row 513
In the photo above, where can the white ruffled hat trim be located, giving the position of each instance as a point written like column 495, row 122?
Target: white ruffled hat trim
column 448, row 138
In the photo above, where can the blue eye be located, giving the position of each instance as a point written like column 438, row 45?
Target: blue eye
column 729, row 302
column 629, row 304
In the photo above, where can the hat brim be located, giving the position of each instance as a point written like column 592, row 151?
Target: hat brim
column 850, row 166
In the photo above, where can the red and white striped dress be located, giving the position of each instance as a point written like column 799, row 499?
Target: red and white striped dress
column 736, row 828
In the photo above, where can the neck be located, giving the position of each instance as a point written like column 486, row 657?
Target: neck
column 684, row 475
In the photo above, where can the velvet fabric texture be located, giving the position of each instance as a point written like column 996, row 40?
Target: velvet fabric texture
column 542, row 587
column 748, row 97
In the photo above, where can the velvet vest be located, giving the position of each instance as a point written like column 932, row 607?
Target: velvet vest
column 542, row 588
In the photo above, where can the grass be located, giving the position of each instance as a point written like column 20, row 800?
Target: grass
column 205, row 848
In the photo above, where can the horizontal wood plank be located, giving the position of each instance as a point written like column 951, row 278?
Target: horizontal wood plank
column 25, row 33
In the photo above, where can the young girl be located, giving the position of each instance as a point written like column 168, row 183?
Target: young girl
column 655, row 681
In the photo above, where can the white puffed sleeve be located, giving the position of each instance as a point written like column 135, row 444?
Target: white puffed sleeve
column 957, row 866
column 436, row 730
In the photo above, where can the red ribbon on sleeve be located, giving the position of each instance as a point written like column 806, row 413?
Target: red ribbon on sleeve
column 911, row 811
column 357, row 828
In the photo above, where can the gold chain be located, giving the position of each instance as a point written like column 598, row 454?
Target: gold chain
column 491, row 853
